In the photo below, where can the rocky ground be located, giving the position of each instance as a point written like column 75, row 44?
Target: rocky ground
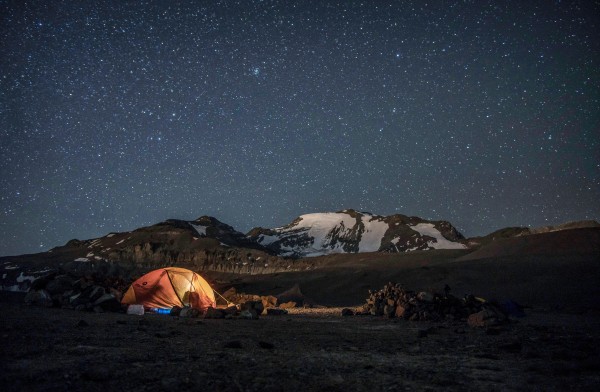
column 308, row 349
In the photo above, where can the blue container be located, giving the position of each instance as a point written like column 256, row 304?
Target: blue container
column 162, row 311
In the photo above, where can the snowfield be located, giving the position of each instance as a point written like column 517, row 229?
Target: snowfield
column 200, row 229
column 321, row 234
column 374, row 231
column 440, row 242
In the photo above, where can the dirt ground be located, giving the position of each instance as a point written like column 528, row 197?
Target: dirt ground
column 49, row 349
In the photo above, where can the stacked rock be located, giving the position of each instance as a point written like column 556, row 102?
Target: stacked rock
column 395, row 301
column 80, row 293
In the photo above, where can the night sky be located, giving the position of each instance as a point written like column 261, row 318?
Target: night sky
column 121, row 114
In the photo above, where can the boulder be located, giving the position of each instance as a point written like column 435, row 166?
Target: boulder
column 108, row 303
column 400, row 311
column 484, row 318
column 59, row 284
column 188, row 312
column 249, row 314
column 389, row 310
column 39, row 298
column 347, row 312
column 269, row 301
column 287, row 305
column 425, row 296
column 231, row 310
column 276, row 311
column 175, row 311
column 41, row 282
column 213, row 313
column 253, row 306
column 377, row 311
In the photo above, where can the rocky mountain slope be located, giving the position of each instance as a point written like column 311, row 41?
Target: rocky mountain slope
column 512, row 232
column 201, row 244
column 350, row 231
column 206, row 244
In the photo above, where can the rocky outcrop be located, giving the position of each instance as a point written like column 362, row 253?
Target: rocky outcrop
column 201, row 244
column 393, row 301
column 585, row 224
column 91, row 292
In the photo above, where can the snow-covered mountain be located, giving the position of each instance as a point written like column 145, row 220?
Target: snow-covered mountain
column 349, row 231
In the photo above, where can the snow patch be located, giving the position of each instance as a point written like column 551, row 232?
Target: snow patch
column 319, row 226
column 94, row 243
column 22, row 278
column 120, row 242
column 110, row 235
column 440, row 241
column 200, row 229
column 82, row 259
column 91, row 254
column 371, row 238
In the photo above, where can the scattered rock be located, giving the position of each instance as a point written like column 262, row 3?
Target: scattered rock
column 39, row 298
column 188, row 312
column 108, row 302
column 287, row 305
column 486, row 318
column 400, row 311
column 425, row 296
column 214, row 313
column 248, row 314
column 91, row 292
column 175, row 311
column 254, row 307
column 394, row 301
column 231, row 310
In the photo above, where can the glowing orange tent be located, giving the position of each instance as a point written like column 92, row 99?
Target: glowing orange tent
column 165, row 288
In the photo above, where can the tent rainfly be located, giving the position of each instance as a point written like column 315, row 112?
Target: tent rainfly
column 165, row 288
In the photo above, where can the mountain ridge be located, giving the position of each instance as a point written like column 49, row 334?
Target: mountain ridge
column 207, row 244
column 350, row 231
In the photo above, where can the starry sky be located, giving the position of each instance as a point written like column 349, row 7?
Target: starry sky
column 120, row 114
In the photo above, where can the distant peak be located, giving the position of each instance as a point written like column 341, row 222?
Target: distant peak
column 205, row 220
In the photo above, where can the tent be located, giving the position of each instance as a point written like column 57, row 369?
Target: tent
column 165, row 288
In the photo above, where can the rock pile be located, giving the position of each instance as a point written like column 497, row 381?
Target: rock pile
column 99, row 294
column 395, row 301
column 250, row 310
column 267, row 301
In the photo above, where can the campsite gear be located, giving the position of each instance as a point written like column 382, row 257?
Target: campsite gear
column 161, row 311
column 135, row 309
column 166, row 288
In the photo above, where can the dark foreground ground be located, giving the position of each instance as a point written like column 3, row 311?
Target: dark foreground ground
column 57, row 350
